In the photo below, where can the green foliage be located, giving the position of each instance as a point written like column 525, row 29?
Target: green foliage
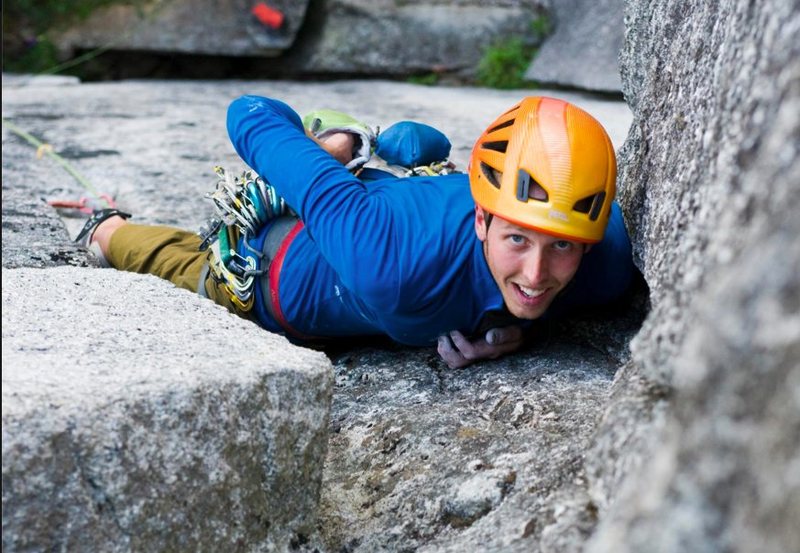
column 428, row 79
column 504, row 63
column 541, row 27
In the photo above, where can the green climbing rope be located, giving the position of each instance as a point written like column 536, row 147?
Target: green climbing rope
column 46, row 149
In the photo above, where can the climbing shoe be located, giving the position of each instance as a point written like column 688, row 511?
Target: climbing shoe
column 84, row 237
column 98, row 216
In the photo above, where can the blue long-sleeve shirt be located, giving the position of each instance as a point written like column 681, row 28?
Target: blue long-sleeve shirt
column 397, row 256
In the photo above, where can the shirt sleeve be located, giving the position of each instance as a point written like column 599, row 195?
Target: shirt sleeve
column 356, row 231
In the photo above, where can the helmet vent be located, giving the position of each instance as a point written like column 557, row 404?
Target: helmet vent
column 529, row 189
column 501, row 126
column 591, row 205
column 498, row 146
column 490, row 174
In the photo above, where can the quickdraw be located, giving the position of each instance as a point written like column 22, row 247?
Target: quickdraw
column 243, row 205
column 444, row 167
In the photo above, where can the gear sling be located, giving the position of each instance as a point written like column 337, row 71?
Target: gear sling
column 245, row 206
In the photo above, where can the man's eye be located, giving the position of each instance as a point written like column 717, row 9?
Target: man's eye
column 517, row 238
column 562, row 245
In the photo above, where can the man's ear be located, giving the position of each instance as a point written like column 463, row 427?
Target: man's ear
column 480, row 223
column 587, row 248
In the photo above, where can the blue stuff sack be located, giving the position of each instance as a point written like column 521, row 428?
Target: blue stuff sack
column 412, row 144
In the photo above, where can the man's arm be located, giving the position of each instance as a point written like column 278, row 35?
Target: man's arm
column 340, row 216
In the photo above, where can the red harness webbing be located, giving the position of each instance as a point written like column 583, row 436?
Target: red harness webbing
column 275, row 267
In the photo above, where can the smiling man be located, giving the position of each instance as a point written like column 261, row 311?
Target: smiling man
column 543, row 180
column 531, row 268
column 463, row 261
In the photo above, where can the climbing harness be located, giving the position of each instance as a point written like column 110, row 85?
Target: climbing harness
column 243, row 205
column 273, row 303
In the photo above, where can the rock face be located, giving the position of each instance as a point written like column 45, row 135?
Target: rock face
column 389, row 37
column 489, row 458
column 34, row 235
column 322, row 37
column 711, row 187
column 122, row 431
column 189, row 27
column 583, row 52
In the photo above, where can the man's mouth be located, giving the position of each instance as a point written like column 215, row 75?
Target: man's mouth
column 530, row 293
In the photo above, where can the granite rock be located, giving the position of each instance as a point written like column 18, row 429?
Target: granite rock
column 342, row 38
column 583, row 51
column 400, row 38
column 122, row 431
column 698, row 447
column 489, row 458
column 188, row 27
column 35, row 236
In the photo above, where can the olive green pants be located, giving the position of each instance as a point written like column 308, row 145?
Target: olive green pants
column 171, row 254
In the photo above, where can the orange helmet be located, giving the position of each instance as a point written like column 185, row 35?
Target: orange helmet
column 548, row 166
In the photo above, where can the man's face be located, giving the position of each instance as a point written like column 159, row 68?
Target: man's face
column 530, row 267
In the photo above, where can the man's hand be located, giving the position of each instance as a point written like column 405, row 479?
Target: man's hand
column 339, row 145
column 323, row 124
column 457, row 351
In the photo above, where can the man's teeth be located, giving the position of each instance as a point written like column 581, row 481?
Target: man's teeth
column 531, row 292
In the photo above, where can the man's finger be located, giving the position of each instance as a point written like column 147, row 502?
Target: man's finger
column 449, row 354
column 480, row 348
column 469, row 350
column 503, row 335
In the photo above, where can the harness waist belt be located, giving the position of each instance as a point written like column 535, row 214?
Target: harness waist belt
column 281, row 237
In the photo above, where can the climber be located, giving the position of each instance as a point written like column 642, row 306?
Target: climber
column 420, row 260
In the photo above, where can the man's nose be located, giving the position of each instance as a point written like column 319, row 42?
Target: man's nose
column 536, row 268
